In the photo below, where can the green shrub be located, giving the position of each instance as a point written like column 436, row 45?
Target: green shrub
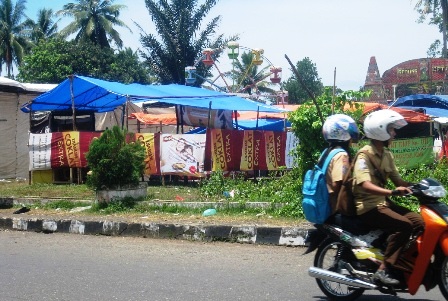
column 113, row 162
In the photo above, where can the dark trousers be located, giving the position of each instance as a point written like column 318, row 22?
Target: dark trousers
column 399, row 222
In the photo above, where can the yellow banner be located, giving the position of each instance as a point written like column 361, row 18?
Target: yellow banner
column 271, row 157
column 247, row 157
column 71, row 147
column 148, row 140
column 218, row 150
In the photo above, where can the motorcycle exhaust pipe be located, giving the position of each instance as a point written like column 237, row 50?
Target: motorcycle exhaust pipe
column 339, row 278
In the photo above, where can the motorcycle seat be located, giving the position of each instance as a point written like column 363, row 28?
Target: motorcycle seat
column 352, row 224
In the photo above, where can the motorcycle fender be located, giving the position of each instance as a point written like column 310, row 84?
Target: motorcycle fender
column 443, row 242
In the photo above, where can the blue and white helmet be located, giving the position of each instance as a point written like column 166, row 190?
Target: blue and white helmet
column 340, row 128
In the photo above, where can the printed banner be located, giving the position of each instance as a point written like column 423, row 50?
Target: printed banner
column 291, row 144
column 40, row 151
column 411, row 153
column 151, row 141
column 60, row 149
column 182, row 154
column 254, row 152
column 275, row 149
column 193, row 116
column 230, row 150
column 226, row 150
column 220, row 146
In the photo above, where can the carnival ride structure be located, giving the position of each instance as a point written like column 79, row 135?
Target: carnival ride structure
column 246, row 79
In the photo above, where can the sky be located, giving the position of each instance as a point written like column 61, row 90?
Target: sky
column 337, row 35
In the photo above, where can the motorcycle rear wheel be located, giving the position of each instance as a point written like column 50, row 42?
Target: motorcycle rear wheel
column 327, row 258
column 443, row 280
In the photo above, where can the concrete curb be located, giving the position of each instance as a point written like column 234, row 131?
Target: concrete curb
column 282, row 236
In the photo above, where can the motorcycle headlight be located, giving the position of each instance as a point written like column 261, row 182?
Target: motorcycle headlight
column 432, row 188
column 435, row 192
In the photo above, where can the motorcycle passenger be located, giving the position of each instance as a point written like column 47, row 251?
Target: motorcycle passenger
column 371, row 197
column 339, row 131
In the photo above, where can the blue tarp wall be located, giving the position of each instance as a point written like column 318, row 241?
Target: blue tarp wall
column 433, row 105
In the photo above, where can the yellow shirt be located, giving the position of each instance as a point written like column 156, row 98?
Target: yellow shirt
column 364, row 171
column 337, row 169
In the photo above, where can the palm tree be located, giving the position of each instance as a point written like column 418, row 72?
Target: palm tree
column 94, row 21
column 44, row 28
column 13, row 41
column 180, row 42
column 248, row 78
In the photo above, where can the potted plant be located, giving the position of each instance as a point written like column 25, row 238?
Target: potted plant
column 116, row 164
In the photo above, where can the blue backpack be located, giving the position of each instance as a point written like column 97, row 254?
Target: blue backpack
column 315, row 203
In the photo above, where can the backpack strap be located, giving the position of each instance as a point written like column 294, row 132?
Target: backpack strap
column 329, row 157
column 350, row 172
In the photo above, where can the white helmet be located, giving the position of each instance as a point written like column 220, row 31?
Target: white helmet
column 340, row 128
column 376, row 123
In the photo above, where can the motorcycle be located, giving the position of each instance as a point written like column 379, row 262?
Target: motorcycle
column 348, row 255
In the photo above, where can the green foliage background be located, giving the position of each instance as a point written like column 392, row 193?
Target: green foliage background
column 308, row 71
column 307, row 125
column 53, row 60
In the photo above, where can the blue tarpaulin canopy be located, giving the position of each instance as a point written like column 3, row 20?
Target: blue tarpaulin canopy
column 90, row 94
column 433, row 105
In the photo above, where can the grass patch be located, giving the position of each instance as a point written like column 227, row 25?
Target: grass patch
column 22, row 190
column 63, row 205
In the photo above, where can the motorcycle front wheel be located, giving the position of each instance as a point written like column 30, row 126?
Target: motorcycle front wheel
column 327, row 258
column 443, row 280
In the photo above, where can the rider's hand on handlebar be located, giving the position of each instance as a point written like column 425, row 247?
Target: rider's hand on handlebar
column 401, row 190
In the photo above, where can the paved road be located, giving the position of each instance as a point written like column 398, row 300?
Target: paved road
column 37, row 266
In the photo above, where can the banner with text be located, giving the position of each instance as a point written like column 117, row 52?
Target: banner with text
column 60, row 149
column 151, row 142
column 409, row 153
column 229, row 150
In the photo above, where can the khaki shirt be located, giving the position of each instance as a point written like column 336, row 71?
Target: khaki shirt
column 365, row 171
column 337, row 169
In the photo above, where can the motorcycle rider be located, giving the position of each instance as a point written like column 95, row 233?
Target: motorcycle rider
column 339, row 131
column 371, row 197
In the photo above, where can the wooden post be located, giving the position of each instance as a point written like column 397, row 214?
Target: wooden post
column 72, row 96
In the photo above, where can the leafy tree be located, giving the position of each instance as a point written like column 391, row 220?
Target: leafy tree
column 307, row 125
column 44, row 28
column 180, row 42
column 13, row 42
column 53, row 60
column 248, row 78
column 437, row 10
column 308, row 71
column 128, row 68
column 94, row 21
